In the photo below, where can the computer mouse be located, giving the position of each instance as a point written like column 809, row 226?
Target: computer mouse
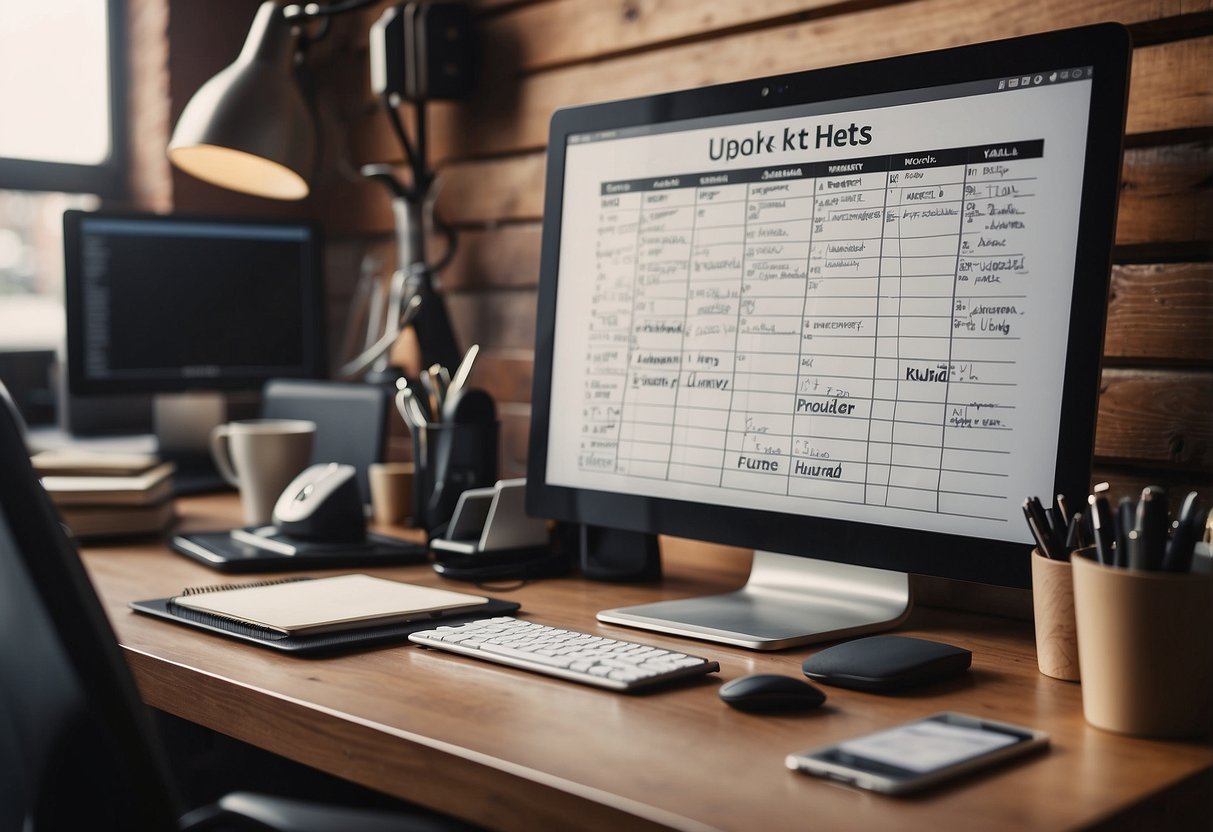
column 322, row 504
column 770, row 693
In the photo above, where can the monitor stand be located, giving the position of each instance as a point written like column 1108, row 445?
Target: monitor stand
column 787, row 601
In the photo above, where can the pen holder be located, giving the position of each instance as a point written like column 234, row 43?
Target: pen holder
column 1053, row 613
column 448, row 459
column 1145, row 644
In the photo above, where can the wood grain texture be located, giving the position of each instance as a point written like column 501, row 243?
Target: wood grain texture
column 515, row 751
column 1156, row 416
column 574, row 31
column 497, row 258
column 1166, row 194
column 1170, row 87
column 1161, row 312
column 1190, row 104
column 498, row 319
column 1053, row 617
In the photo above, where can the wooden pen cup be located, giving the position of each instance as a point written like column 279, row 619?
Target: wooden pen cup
column 1053, row 614
column 1145, row 644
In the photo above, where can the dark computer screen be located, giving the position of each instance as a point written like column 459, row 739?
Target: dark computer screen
column 854, row 314
column 162, row 304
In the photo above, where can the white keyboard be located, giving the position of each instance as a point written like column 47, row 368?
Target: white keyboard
column 578, row 657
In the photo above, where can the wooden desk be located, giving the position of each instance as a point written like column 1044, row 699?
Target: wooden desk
column 517, row 751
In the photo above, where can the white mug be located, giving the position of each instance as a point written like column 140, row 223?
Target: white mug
column 260, row 457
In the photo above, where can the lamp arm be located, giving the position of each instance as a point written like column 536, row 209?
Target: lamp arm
column 360, row 364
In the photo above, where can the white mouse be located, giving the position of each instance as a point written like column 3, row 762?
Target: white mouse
column 322, row 503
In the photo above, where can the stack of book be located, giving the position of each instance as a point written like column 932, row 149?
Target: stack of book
column 106, row 494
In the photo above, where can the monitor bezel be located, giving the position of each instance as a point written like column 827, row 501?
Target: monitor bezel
column 314, row 365
column 1107, row 48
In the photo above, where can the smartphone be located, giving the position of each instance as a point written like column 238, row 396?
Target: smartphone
column 918, row 754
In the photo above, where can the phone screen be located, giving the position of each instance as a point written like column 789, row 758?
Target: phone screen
column 917, row 754
column 924, row 746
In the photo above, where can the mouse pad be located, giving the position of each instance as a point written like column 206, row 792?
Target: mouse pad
column 219, row 550
column 886, row 664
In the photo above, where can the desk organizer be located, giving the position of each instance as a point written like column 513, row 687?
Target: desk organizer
column 1053, row 612
column 1146, row 649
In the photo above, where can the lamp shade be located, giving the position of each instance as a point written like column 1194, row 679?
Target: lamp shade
column 250, row 128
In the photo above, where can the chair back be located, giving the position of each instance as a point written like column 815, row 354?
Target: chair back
column 76, row 744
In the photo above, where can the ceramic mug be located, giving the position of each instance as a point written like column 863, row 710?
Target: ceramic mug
column 260, row 457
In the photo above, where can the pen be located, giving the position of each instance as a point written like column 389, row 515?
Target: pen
column 1075, row 538
column 1136, row 551
column 1042, row 541
column 1182, row 545
column 1056, row 527
column 1053, row 526
column 1102, row 527
column 1151, row 527
column 1043, row 528
column 1124, row 524
column 1063, row 511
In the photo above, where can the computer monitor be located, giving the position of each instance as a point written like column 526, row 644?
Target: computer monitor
column 853, row 316
column 165, row 304
column 190, row 311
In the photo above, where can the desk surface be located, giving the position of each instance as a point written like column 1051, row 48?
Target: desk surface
column 517, row 751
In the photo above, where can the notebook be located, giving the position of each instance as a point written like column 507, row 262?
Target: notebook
column 325, row 605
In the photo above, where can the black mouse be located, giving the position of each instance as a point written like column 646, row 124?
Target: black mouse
column 767, row 693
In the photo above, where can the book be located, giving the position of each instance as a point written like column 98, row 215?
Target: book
column 151, row 486
column 323, row 605
column 72, row 462
column 116, row 521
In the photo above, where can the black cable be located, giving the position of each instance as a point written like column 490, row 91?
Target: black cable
column 421, row 175
column 407, row 145
column 452, row 239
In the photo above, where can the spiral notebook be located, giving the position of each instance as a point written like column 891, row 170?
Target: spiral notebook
column 315, row 614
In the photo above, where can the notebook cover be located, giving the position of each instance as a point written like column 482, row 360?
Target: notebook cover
column 344, row 640
column 341, row 602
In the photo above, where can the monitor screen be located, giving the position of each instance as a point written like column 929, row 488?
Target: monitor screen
column 854, row 314
column 160, row 304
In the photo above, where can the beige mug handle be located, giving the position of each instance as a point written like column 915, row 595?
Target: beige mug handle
column 221, row 454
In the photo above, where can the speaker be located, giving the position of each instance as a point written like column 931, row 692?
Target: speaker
column 617, row 555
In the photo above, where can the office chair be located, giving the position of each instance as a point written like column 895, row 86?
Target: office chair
column 77, row 748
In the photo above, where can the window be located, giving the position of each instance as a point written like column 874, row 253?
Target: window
column 31, row 267
column 61, row 108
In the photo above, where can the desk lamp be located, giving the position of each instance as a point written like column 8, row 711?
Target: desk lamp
column 251, row 128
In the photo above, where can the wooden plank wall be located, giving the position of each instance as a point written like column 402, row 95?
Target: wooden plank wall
column 1156, row 408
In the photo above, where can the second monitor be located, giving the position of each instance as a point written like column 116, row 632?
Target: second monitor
column 165, row 305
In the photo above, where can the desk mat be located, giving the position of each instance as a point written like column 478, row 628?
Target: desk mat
column 321, row 642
